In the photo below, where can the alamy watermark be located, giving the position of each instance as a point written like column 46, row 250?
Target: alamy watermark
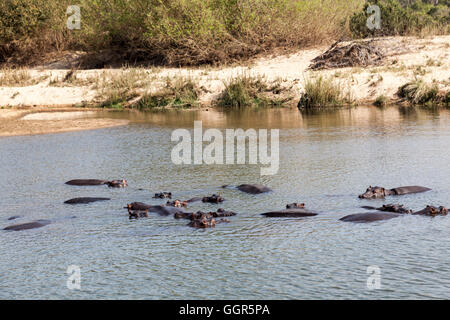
column 189, row 150
column 74, row 19
column 374, row 20
column 374, row 279
column 74, row 280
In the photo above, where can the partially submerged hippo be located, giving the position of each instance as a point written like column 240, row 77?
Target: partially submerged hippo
column 213, row 199
column 85, row 200
column 14, row 218
column 295, row 205
column 29, row 225
column 135, row 214
column 117, row 183
column 380, row 192
column 397, row 208
column 251, row 188
column 163, row 195
column 432, row 211
column 96, row 182
column 290, row 213
column 200, row 214
column 177, row 203
column 369, row 217
column 162, row 210
column 138, row 206
column 206, row 223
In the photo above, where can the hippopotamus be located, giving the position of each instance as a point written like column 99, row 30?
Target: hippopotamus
column 289, row 213
column 398, row 208
column 163, row 195
column 29, row 225
column 206, row 223
column 162, row 210
column 380, row 192
column 293, row 210
column 223, row 213
column 85, row 200
column 213, row 199
column 14, row 218
column 177, row 203
column 369, row 217
column 95, row 182
column 165, row 210
column 432, row 211
column 251, row 188
column 135, row 214
column 295, row 205
column 138, row 206
column 117, row 183
column 200, row 214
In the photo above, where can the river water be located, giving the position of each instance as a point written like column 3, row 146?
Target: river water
column 326, row 160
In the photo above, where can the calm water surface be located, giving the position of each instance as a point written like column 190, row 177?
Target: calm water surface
column 326, row 160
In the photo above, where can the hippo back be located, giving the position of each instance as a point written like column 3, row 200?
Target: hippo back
column 409, row 189
column 369, row 217
column 29, row 225
column 86, row 182
column 253, row 188
column 289, row 213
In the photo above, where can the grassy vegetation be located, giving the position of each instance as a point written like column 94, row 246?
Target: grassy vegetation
column 324, row 93
column 177, row 93
column 116, row 88
column 175, row 32
column 418, row 92
column 18, row 78
column 404, row 17
column 73, row 78
column 447, row 99
column 380, row 101
column 248, row 91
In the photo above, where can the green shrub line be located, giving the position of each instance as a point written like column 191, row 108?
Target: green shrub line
column 195, row 32
column 171, row 32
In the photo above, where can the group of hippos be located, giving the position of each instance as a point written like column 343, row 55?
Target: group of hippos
column 177, row 208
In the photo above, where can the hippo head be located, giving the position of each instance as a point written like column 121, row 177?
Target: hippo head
column 295, row 205
column 177, row 203
column 433, row 211
column 117, row 183
column 373, row 192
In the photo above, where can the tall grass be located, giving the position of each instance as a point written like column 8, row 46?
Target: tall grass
column 177, row 93
column 175, row 32
column 251, row 91
column 324, row 93
column 419, row 92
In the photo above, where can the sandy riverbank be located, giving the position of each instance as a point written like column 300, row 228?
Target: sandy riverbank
column 406, row 59
column 41, row 120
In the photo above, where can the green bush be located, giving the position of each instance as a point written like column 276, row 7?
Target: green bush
column 175, row 32
column 408, row 18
